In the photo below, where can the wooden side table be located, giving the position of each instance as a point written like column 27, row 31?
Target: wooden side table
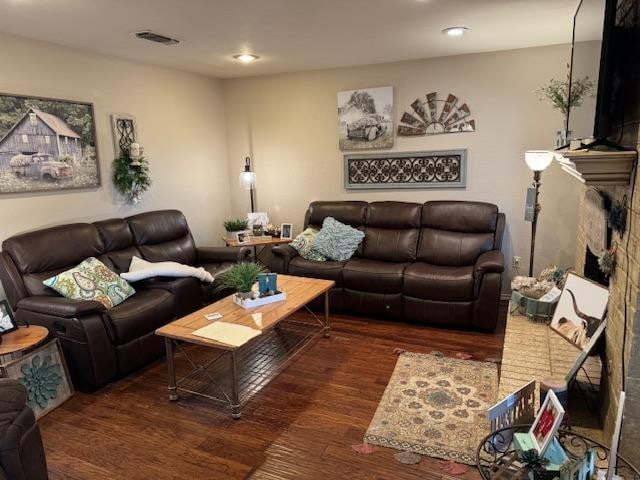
column 15, row 344
column 262, row 242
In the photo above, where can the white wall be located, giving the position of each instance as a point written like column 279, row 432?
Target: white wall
column 181, row 125
column 287, row 123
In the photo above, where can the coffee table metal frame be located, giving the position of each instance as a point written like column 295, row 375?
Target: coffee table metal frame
column 267, row 347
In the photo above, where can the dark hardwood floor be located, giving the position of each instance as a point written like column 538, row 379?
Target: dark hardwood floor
column 300, row 426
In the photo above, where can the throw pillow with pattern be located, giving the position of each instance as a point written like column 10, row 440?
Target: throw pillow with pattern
column 336, row 240
column 91, row 280
column 302, row 244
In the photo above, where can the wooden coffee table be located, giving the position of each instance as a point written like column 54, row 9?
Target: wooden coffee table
column 252, row 365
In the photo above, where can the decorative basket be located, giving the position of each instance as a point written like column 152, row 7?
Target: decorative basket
column 534, row 309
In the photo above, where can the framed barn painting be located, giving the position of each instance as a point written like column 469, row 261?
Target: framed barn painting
column 47, row 145
column 365, row 118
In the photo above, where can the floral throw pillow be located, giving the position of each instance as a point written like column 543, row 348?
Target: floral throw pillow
column 91, row 280
column 302, row 243
column 336, row 240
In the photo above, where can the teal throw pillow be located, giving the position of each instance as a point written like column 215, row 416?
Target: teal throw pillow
column 336, row 240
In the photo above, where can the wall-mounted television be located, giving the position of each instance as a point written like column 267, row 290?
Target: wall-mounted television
column 606, row 48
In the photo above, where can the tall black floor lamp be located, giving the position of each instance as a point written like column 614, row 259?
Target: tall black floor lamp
column 248, row 181
column 537, row 161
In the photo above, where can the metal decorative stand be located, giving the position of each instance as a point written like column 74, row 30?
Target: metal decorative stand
column 497, row 458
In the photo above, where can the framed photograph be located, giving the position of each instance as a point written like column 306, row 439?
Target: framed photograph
column 365, row 118
column 242, row 237
column 581, row 311
column 44, row 374
column 396, row 170
column 547, row 422
column 257, row 218
column 286, row 230
column 7, row 323
column 47, row 145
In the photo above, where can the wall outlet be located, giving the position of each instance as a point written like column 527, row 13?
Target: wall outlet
column 516, row 262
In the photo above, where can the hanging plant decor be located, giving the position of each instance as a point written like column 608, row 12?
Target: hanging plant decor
column 618, row 216
column 131, row 180
column 607, row 260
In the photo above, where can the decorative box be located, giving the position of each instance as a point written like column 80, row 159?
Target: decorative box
column 259, row 301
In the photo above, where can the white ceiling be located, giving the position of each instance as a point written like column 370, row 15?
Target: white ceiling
column 288, row 35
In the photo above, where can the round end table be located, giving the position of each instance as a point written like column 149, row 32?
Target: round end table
column 15, row 343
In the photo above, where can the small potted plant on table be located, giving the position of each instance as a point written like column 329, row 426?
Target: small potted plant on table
column 233, row 226
column 242, row 277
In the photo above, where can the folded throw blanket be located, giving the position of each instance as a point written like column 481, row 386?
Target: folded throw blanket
column 140, row 269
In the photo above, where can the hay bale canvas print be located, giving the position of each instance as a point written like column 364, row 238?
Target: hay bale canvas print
column 365, row 118
column 46, row 145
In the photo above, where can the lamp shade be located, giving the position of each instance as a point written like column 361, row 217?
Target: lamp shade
column 538, row 160
column 247, row 180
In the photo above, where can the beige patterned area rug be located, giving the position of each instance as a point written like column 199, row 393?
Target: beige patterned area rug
column 435, row 406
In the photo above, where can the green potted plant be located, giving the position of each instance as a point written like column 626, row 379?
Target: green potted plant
column 234, row 225
column 241, row 277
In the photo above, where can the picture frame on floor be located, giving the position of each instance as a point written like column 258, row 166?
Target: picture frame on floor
column 286, row 231
column 44, row 374
column 7, row 322
column 581, row 310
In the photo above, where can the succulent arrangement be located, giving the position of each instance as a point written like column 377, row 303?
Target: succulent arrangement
column 241, row 277
column 236, row 225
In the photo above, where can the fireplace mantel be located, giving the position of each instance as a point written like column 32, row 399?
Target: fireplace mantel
column 598, row 167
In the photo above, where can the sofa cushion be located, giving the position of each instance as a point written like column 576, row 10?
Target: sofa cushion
column 115, row 234
column 373, row 276
column 336, row 240
column 439, row 283
column 350, row 213
column 459, row 216
column 140, row 314
column 91, row 280
column 443, row 247
column 31, row 252
column 163, row 236
column 328, row 270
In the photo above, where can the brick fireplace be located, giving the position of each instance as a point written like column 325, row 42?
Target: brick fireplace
column 627, row 261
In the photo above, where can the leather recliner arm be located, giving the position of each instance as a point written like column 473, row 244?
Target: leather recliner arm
column 60, row 306
column 489, row 262
column 222, row 254
column 281, row 256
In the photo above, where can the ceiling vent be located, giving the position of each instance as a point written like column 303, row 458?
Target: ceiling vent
column 157, row 38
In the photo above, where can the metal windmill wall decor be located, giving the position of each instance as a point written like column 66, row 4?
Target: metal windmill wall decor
column 434, row 116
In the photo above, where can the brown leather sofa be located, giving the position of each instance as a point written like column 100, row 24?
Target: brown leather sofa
column 100, row 344
column 437, row 263
column 21, row 451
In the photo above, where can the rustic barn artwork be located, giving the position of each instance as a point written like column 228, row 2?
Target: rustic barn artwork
column 441, row 169
column 434, row 116
column 365, row 119
column 124, row 132
column 46, row 145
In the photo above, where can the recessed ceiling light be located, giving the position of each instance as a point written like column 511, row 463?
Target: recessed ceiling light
column 246, row 57
column 455, row 31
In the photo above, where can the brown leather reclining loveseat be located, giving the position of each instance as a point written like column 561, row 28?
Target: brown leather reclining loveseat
column 437, row 263
column 100, row 345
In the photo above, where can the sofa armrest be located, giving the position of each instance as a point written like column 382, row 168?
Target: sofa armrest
column 60, row 306
column 281, row 255
column 223, row 254
column 489, row 262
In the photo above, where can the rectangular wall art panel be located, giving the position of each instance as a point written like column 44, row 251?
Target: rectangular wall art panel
column 438, row 169
column 46, row 145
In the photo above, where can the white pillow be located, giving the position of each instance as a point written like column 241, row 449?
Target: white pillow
column 140, row 269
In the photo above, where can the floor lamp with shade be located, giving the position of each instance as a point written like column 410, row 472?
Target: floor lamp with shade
column 537, row 161
column 248, row 181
